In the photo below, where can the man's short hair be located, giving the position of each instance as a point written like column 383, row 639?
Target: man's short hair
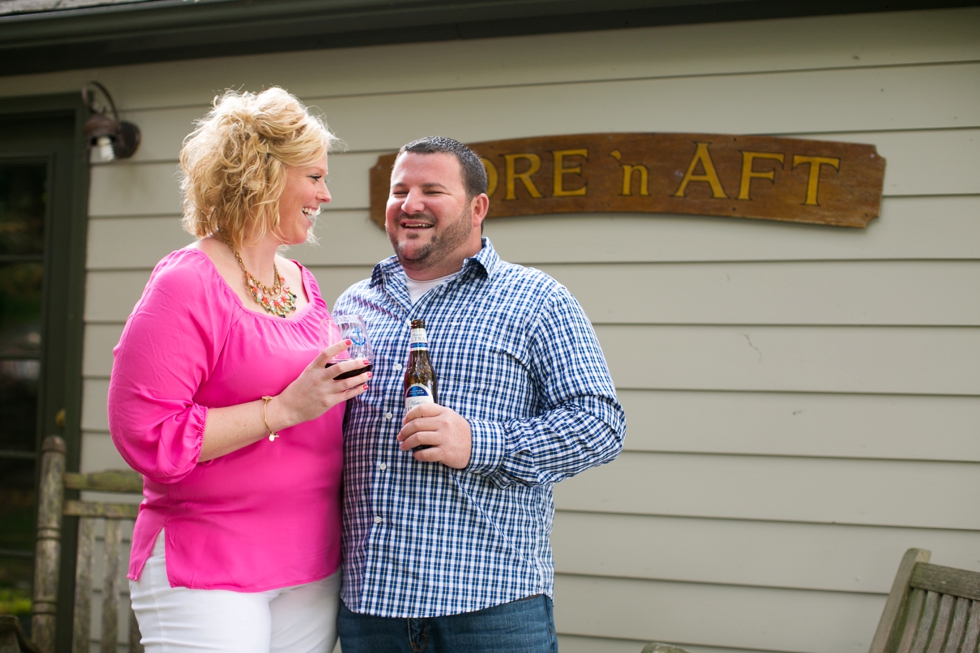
column 474, row 174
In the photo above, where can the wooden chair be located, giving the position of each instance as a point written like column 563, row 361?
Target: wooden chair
column 52, row 508
column 930, row 608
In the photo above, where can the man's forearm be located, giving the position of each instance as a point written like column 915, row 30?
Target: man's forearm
column 551, row 447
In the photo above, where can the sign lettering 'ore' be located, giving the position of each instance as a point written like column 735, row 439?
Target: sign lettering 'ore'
column 770, row 178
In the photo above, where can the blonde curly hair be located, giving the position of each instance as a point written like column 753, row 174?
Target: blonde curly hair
column 234, row 163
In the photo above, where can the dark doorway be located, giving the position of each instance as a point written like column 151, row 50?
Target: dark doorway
column 43, row 197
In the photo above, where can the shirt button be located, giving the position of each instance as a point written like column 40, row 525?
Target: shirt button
column 387, row 415
column 378, row 519
column 396, row 366
column 382, row 466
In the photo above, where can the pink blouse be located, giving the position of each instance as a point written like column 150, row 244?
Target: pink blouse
column 265, row 516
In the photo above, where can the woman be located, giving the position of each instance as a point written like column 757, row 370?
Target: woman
column 219, row 396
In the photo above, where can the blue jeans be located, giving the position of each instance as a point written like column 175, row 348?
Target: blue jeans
column 524, row 626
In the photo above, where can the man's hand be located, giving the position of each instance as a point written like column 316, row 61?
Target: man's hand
column 445, row 431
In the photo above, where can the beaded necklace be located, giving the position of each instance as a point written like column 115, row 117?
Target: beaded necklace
column 278, row 300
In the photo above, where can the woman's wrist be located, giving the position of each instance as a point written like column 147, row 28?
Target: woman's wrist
column 272, row 431
column 276, row 415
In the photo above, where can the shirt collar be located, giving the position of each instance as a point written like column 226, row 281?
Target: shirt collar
column 484, row 262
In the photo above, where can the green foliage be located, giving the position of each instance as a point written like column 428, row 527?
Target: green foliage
column 15, row 601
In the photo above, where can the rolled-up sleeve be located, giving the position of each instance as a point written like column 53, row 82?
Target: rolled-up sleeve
column 165, row 354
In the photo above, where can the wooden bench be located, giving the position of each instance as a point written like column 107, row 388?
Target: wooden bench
column 931, row 609
column 52, row 508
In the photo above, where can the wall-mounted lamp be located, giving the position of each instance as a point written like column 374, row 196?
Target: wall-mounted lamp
column 113, row 138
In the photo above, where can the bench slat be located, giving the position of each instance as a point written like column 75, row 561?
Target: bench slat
column 916, row 599
column 943, row 619
column 972, row 629
column 947, row 580
column 83, row 586
column 925, row 623
column 98, row 509
column 958, row 626
column 110, row 586
column 113, row 480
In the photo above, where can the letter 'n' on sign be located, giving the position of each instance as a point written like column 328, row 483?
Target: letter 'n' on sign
column 769, row 178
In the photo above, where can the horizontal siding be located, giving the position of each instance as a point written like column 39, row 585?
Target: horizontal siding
column 133, row 243
column 852, row 41
column 803, row 424
column 940, row 96
column 778, row 424
column 150, row 189
column 922, row 97
column 905, row 360
column 827, row 292
column 110, row 296
column 334, row 281
column 580, row 644
column 772, row 488
column 838, row 557
column 717, row 615
column 97, row 349
column 934, row 228
column 95, row 393
column 98, row 452
column 882, row 293
column 885, row 427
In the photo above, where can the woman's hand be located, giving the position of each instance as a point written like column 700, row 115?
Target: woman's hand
column 317, row 389
column 313, row 393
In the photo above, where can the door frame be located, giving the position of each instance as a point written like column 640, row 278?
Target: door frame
column 64, row 296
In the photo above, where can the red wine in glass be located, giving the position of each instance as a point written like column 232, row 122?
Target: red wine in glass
column 352, row 373
column 347, row 327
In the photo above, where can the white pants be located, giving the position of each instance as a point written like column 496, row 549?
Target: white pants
column 299, row 619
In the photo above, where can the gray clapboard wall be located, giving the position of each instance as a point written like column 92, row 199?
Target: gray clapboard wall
column 803, row 401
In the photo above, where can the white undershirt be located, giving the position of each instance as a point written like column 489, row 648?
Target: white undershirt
column 418, row 288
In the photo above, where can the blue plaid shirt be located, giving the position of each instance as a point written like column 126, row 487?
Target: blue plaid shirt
column 516, row 356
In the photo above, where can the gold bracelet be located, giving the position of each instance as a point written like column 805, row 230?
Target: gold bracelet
column 272, row 434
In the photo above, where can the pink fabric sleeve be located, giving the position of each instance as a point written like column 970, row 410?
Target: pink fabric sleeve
column 167, row 350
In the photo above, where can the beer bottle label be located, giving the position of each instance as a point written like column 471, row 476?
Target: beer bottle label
column 416, row 395
column 418, row 340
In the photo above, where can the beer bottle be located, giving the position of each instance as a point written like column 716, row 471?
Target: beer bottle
column 420, row 380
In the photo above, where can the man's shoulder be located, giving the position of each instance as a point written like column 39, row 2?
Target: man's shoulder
column 534, row 292
column 511, row 274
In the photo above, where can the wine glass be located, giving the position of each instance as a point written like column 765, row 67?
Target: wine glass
column 347, row 327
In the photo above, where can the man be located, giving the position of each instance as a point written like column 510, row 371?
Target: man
column 446, row 547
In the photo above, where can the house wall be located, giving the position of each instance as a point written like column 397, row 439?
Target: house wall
column 803, row 401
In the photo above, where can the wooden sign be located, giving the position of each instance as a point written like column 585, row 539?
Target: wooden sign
column 771, row 178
